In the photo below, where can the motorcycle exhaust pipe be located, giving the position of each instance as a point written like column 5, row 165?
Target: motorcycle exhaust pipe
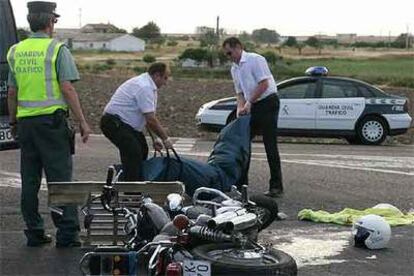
column 224, row 217
column 205, row 233
column 241, row 222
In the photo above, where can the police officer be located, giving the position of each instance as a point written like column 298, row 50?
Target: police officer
column 257, row 95
column 40, row 93
column 131, row 109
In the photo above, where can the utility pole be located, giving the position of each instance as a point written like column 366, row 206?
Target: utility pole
column 389, row 39
column 407, row 38
column 80, row 18
column 218, row 29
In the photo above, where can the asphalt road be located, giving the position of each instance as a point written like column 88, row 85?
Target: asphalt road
column 316, row 176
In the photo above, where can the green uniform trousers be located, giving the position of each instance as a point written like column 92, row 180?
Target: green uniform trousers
column 45, row 146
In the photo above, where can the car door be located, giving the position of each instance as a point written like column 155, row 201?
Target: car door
column 297, row 104
column 339, row 106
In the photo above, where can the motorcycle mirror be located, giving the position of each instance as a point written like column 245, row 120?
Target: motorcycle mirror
column 110, row 175
column 174, row 202
column 245, row 195
column 181, row 222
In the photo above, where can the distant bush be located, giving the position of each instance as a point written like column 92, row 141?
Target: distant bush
column 139, row 70
column 201, row 73
column 197, row 54
column 149, row 59
column 271, row 57
column 249, row 46
column 172, row 43
column 86, row 67
column 96, row 68
column 110, row 62
column 184, row 37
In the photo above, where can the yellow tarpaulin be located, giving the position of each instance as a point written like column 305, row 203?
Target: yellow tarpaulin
column 347, row 216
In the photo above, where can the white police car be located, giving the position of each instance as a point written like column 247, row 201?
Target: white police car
column 317, row 105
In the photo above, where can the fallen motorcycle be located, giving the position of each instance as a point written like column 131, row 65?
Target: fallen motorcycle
column 215, row 235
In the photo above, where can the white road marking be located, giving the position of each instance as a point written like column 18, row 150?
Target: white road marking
column 184, row 144
column 353, row 162
column 355, row 167
column 12, row 180
column 373, row 163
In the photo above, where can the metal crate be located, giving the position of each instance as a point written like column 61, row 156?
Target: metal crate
column 107, row 228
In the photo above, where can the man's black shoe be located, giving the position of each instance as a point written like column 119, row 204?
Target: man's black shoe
column 274, row 192
column 39, row 240
column 68, row 244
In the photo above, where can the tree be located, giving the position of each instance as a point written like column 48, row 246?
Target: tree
column 158, row 40
column 117, row 30
column 209, row 38
column 245, row 37
column 300, row 46
column 148, row 32
column 402, row 41
column 265, row 36
column 197, row 54
column 312, row 41
column 291, row 41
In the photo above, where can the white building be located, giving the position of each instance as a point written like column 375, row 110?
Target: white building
column 101, row 41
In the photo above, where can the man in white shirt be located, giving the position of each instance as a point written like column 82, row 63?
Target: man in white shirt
column 257, row 95
column 130, row 110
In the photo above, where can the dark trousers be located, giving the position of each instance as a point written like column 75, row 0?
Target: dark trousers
column 264, row 116
column 45, row 143
column 133, row 147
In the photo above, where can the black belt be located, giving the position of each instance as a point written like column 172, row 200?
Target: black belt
column 58, row 113
column 118, row 120
column 271, row 96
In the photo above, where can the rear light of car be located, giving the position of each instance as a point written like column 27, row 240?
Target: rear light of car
column 174, row 269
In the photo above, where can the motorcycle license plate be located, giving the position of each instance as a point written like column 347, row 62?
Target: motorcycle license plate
column 5, row 135
column 196, row 268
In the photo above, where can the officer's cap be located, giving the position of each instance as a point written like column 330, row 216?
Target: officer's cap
column 42, row 7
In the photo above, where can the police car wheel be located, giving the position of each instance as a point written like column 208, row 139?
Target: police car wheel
column 372, row 130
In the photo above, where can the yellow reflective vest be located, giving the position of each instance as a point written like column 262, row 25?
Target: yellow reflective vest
column 33, row 63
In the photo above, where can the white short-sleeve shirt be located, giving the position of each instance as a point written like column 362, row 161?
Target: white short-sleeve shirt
column 251, row 70
column 133, row 99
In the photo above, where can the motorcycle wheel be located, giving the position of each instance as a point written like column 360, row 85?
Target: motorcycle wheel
column 226, row 259
column 266, row 209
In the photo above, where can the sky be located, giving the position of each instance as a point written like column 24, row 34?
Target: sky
column 290, row 17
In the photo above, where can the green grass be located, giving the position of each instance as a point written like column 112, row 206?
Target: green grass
column 393, row 71
column 397, row 71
